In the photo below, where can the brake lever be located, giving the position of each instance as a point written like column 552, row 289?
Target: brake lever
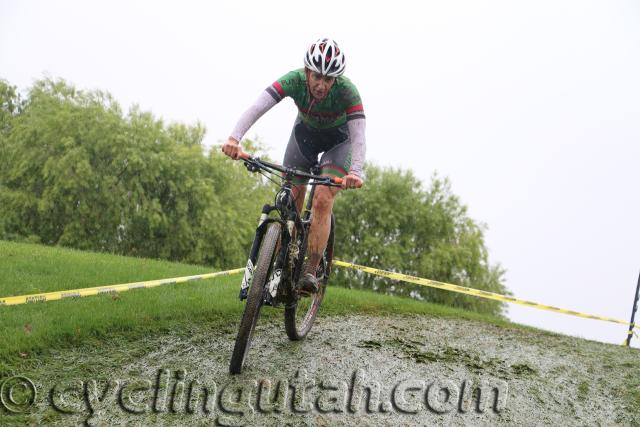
column 251, row 164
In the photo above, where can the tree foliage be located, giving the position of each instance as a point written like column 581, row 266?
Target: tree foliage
column 78, row 172
column 395, row 224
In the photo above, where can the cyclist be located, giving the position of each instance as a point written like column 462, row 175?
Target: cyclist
column 331, row 121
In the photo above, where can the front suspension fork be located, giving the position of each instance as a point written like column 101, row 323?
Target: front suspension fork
column 253, row 254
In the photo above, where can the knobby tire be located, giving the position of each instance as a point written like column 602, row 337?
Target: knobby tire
column 255, row 297
column 298, row 327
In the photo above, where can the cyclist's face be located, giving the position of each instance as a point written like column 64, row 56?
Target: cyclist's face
column 319, row 85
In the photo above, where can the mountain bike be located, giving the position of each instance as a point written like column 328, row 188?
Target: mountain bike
column 277, row 259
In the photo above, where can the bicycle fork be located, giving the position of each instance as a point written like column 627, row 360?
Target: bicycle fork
column 275, row 276
column 253, row 254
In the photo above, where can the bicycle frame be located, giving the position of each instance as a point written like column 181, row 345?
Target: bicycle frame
column 293, row 226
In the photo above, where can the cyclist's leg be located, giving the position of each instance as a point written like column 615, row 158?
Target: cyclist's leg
column 295, row 157
column 320, row 225
column 335, row 163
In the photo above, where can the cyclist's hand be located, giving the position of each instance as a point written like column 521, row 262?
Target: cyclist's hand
column 232, row 148
column 351, row 181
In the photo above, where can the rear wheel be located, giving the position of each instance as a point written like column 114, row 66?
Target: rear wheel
column 299, row 317
column 255, row 297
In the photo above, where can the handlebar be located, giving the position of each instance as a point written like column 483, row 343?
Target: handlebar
column 263, row 164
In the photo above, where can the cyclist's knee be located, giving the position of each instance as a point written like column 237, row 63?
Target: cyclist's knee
column 323, row 199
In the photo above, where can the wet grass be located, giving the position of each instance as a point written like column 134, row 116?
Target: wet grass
column 51, row 340
column 631, row 393
column 583, row 390
column 408, row 348
column 33, row 328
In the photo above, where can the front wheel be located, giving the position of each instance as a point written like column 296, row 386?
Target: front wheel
column 299, row 316
column 255, row 297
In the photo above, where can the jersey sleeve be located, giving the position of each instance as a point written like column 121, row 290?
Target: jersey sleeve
column 263, row 104
column 355, row 112
column 358, row 146
column 288, row 85
column 352, row 101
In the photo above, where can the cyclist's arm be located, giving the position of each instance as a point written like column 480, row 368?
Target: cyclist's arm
column 356, row 125
column 263, row 104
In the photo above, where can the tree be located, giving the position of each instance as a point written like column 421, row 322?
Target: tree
column 9, row 108
column 77, row 172
column 393, row 223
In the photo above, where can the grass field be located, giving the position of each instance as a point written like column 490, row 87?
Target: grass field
column 31, row 329
column 193, row 325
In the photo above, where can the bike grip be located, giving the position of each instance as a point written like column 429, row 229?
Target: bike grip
column 244, row 155
column 339, row 181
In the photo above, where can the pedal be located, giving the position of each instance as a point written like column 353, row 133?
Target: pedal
column 243, row 294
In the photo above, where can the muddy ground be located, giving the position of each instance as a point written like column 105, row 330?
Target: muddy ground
column 352, row 371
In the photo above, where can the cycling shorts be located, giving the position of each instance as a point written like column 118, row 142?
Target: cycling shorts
column 306, row 144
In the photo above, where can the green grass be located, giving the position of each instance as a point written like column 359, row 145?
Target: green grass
column 29, row 268
column 583, row 390
column 31, row 329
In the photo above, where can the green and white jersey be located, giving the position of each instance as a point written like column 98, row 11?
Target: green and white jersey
column 341, row 104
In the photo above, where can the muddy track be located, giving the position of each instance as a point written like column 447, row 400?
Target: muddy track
column 356, row 370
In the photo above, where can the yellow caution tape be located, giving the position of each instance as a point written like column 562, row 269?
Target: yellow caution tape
column 471, row 291
column 77, row 293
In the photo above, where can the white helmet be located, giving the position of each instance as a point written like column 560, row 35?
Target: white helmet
column 325, row 57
